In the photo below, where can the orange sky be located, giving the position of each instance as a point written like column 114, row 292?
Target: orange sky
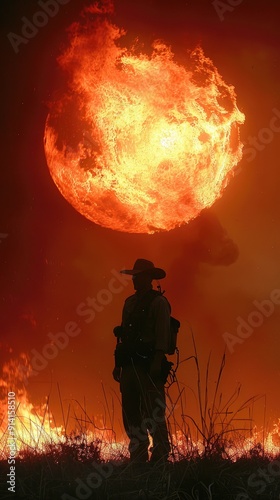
column 217, row 266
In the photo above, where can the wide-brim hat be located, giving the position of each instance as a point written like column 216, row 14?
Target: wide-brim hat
column 146, row 266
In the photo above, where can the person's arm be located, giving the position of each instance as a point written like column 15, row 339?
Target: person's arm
column 156, row 364
column 117, row 373
column 117, row 369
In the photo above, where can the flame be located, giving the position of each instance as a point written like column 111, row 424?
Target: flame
column 36, row 430
column 140, row 143
column 34, row 426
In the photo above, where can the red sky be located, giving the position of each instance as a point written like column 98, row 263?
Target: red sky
column 52, row 258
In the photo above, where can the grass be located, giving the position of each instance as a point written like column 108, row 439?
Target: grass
column 205, row 466
column 58, row 474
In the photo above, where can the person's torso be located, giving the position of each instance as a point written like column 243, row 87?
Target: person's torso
column 138, row 317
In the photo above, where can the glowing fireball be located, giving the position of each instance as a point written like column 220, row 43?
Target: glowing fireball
column 139, row 142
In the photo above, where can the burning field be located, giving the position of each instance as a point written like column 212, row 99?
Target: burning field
column 219, row 455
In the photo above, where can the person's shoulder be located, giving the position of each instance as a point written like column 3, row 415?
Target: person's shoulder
column 161, row 300
column 129, row 299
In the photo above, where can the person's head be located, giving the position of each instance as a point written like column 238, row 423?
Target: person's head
column 143, row 273
column 142, row 281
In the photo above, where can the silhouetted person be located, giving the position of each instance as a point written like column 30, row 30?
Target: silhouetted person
column 140, row 363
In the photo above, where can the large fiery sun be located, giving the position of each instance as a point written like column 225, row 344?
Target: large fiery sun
column 139, row 143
